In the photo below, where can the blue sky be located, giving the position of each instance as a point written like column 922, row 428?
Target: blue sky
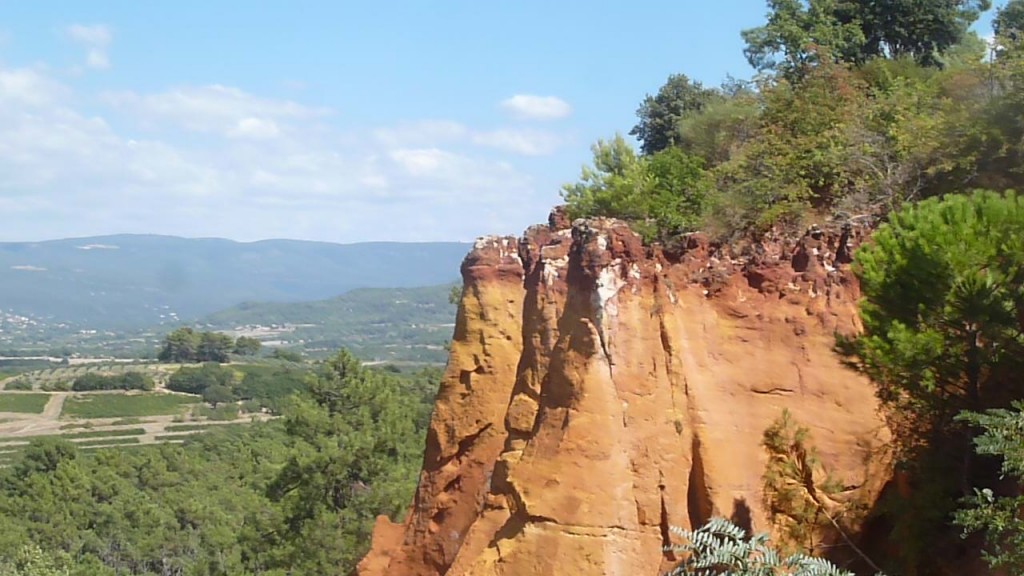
column 337, row 121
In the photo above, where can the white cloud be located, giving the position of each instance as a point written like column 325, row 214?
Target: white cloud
column 97, row 59
column 528, row 106
column 97, row 35
column 525, row 142
column 422, row 162
column 213, row 109
column 422, row 133
column 256, row 128
column 434, row 133
column 266, row 168
column 96, row 39
column 28, row 87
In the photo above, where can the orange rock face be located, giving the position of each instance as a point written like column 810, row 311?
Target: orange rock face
column 599, row 391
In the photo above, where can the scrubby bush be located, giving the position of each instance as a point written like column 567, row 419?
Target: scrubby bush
column 126, row 381
column 195, row 380
column 720, row 547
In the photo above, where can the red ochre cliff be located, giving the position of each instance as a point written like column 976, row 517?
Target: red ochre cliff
column 599, row 391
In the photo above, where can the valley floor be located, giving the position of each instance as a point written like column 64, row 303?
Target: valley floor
column 18, row 428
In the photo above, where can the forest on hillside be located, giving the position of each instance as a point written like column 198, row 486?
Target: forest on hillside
column 892, row 114
column 296, row 495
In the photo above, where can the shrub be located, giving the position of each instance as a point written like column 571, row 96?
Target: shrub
column 195, row 380
column 720, row 547
column 124, row 381
column 19, row 384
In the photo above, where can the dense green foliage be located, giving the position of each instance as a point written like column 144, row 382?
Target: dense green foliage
column 265, row 384
column 138, row 511
column 944, row 289
column 195, row 380
column 187, row 345
column 291, row 497
column 270, row 383
column 362, row 435
column 246, row 346
column 1008, row 24
column 660, row 194
column 124, row 381
column 997, row 509
column 859, row 114
column 854, row 31
column 943, row 285
column 30, row 560
column 660, row 114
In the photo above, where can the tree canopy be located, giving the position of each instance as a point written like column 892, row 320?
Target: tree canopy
column 1008, row 24
column 799, row 33
column 291, row 496
column 943, row 325
column 943, row 285
column 659, row 115
column 186, row 345
column 660, row 194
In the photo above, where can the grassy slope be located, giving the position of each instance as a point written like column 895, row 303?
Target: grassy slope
column 124, row 405
column 23, row 403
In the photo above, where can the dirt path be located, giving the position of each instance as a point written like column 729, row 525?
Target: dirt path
column 22, row 430
column 55, row 405
column 18, row 428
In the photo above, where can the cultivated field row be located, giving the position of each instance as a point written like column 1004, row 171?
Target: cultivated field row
column 105, row 419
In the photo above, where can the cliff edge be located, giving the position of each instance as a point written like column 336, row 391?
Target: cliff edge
column 599, row 391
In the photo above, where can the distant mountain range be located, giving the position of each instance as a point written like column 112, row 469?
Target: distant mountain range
column 135, row 281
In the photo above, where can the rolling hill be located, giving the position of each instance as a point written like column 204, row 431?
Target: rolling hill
column 127, row 282
column 384, row 324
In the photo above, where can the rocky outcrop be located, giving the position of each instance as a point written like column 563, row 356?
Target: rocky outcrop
column 600, row 391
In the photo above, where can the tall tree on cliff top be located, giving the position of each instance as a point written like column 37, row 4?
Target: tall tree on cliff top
column 660, row 195
column 798, row 33
column 659, row 115
column 857, row 30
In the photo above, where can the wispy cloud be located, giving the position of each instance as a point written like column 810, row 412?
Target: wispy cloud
column 29, row 87
column 524, row 142
column 215, row 108
column 265, row 167
column 422, row 133
column 531, row 107
column 96, row 39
